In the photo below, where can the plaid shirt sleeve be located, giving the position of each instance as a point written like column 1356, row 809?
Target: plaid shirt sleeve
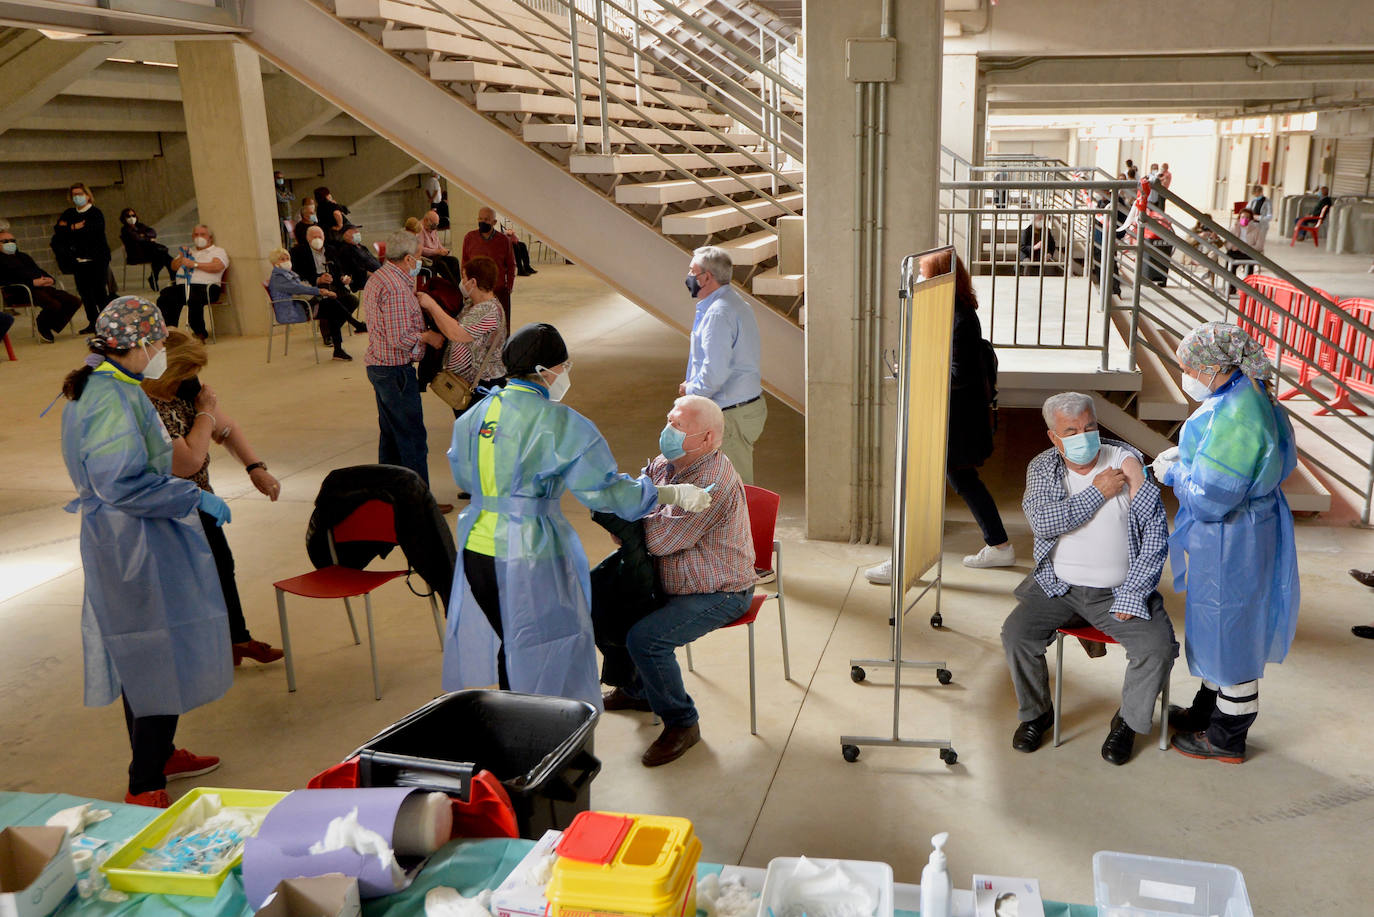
column 1149, row 536
column 1049, row 509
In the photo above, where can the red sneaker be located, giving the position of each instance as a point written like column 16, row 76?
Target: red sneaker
column 184, row 764
column 154, row 799
column 257, row 651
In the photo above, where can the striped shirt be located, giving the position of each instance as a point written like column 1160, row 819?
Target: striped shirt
column 1051, row 513
column 705, row 552
column 479, row 358
column 394, row 319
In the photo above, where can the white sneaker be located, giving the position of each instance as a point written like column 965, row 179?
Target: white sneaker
column 880, row 575
column 1004, row 556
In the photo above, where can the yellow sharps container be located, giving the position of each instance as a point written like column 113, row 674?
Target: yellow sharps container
column 615, row 865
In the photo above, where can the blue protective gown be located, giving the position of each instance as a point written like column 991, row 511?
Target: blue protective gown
column 536, row 449
column 153, row 622
column 1234, row 525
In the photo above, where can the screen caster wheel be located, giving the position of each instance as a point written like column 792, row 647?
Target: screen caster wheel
column 944, row 676
column 948, row 755
column 937, row 621
column 857, row 675
column 851, row 753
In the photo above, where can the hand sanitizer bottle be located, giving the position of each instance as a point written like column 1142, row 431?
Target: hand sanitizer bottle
column 936, row 891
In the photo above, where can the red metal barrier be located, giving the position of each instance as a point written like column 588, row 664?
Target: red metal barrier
column 1356, row 371
column 1270, row 327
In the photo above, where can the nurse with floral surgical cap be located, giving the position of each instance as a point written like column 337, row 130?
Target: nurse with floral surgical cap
column 1235, row 528
column 153, row 622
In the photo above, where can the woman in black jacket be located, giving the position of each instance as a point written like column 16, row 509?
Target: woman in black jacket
column 79, row 242
column 141, row 245
column 331, row 213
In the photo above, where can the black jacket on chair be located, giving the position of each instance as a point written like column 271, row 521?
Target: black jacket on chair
column 420, row 528
column 625, row 588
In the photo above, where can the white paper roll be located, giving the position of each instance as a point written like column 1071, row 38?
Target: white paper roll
column 423, row 824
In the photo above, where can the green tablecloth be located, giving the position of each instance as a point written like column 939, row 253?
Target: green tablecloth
column 468, row 866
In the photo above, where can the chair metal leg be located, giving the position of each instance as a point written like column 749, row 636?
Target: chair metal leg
column 690, row 667
column 372, row 647
column 286, row 642
column 271, row 327
column 1164, row 716
column 286, row 346
column 782, row 612
column 753, row 709
column 438, row 619
column 1058, row 683
column 351, row 623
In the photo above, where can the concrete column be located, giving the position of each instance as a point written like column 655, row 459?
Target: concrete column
column 963, row 107
column 913, row 156
column 231, row 159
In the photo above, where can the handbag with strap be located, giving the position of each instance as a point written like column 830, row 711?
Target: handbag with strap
column 453, row 389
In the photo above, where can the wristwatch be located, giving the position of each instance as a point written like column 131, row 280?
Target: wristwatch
column 251, row 468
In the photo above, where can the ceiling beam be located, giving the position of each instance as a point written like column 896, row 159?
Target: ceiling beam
column 74, row 113
column 1182, row 94
column 56, row 176
column 35, row 69
column 1164, row 70
column 76, row 146
column 294, row 112
column 317, row 148
column 117, row 80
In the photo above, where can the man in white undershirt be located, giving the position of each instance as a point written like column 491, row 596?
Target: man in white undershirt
column 1101, row 537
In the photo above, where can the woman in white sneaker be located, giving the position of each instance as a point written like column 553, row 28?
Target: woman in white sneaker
column 970, row 422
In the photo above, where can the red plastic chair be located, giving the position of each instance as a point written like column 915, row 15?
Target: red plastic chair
column 763, row 519
column 9, row 348
column 372, row 521
column 1092, row 633
column 1309, row 224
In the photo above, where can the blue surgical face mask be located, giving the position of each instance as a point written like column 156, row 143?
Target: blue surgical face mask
column 79, row 200
column 10, row 247
column 1081, row 448
column 415, row 271
column 671, row 442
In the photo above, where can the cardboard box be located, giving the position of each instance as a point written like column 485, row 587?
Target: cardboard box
column 334, row 895
column 36, row 872
column 515, row 897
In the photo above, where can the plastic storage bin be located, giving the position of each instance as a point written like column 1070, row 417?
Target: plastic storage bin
column 614, row 865
column 876, row 875
column 117, row 870
column 540, row 748
column 1134, row 885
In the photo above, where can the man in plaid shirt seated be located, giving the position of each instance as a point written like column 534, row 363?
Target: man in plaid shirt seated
column 1100, row 541
column 706, row 564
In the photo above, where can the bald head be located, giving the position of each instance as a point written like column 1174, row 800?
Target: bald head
column 486, row 215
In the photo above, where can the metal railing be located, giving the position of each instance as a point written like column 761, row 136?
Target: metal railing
column 1201, row 260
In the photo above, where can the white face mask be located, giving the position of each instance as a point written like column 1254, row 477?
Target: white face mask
column 157, row 365
column 317, row 244
column 1195, row 388
column 560, row 384
column 357, row 238
column 201, row 241
column 131, row 220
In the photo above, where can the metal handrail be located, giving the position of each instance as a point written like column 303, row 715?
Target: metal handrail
column 730, row 46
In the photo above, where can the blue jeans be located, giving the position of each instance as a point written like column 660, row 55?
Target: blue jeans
column 653, row 639
column 402, row 422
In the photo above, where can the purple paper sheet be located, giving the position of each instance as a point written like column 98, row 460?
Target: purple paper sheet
column 281, row 849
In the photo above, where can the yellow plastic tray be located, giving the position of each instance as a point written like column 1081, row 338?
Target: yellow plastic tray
column 117, row 870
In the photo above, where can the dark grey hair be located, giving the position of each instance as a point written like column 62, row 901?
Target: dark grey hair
column 401, row 243
column 1066, row 404
column 716, row 262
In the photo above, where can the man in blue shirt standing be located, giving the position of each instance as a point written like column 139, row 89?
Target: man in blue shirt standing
column 724, row 361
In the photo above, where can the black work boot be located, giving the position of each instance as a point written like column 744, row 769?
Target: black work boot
column 1197, row 717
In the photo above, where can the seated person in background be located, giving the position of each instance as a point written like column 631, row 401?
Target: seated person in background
column 477, row 335
column 1316, row 213
column 309, row 216
column 316, row 264
column 141, row 245
column 435, row 252
column 356, row 260
column 285, row 284
column 705, row 561
column 55, row 307
column 1251, row 232
column 200, row 269
column 1100, row 542
column 1037, row 241
column 522, row 254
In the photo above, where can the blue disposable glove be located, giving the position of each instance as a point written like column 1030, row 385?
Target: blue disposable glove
column 212, row 505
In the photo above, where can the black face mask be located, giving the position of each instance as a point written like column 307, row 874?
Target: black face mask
column 484, row 228
column 693, row 285
column 189, row 389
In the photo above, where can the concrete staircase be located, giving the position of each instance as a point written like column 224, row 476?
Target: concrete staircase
column 484, row 91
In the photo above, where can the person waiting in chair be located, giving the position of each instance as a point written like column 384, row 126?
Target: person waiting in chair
column 1037, row 246
column 705, row 562
column 1100, row 541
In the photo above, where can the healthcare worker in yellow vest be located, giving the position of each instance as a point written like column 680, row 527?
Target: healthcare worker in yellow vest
column 520, row 614
column 1232, row 546
column 153, row 622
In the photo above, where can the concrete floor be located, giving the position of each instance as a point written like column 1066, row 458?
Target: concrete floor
column 1295, row 818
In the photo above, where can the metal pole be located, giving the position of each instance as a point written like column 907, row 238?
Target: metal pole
column 1107, row 276
column 1368, row 492
column 870, row 293
column 601, row 78
column 581, row 144
column 639, row 77
column 1135, row 292
column 879, row 287
column 860, row 330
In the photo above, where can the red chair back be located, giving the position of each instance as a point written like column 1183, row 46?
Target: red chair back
column 374, row 520
column 763, row 519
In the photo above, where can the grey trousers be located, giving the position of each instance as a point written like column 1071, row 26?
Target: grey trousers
column 743, row 425
column 1150, row 647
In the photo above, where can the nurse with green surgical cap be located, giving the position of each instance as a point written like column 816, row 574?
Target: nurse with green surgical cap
column 153, row 623
column 1232, row 548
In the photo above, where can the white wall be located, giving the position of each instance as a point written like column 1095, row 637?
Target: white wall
column 1192, row 161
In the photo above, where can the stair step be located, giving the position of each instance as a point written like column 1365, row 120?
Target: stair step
column 564, row 133
column 472, row 22
column 430, row 41
column 685, row 189
column 1160, row 397
column 462, row 71
column 625, row 163
column 755, row 248
column 530, row 103
column 771, row 283
column 714, row 219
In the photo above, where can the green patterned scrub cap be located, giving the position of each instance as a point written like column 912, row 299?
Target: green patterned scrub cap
column 1223, row 344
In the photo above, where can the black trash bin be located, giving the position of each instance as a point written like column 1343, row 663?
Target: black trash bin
column 540, row 748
